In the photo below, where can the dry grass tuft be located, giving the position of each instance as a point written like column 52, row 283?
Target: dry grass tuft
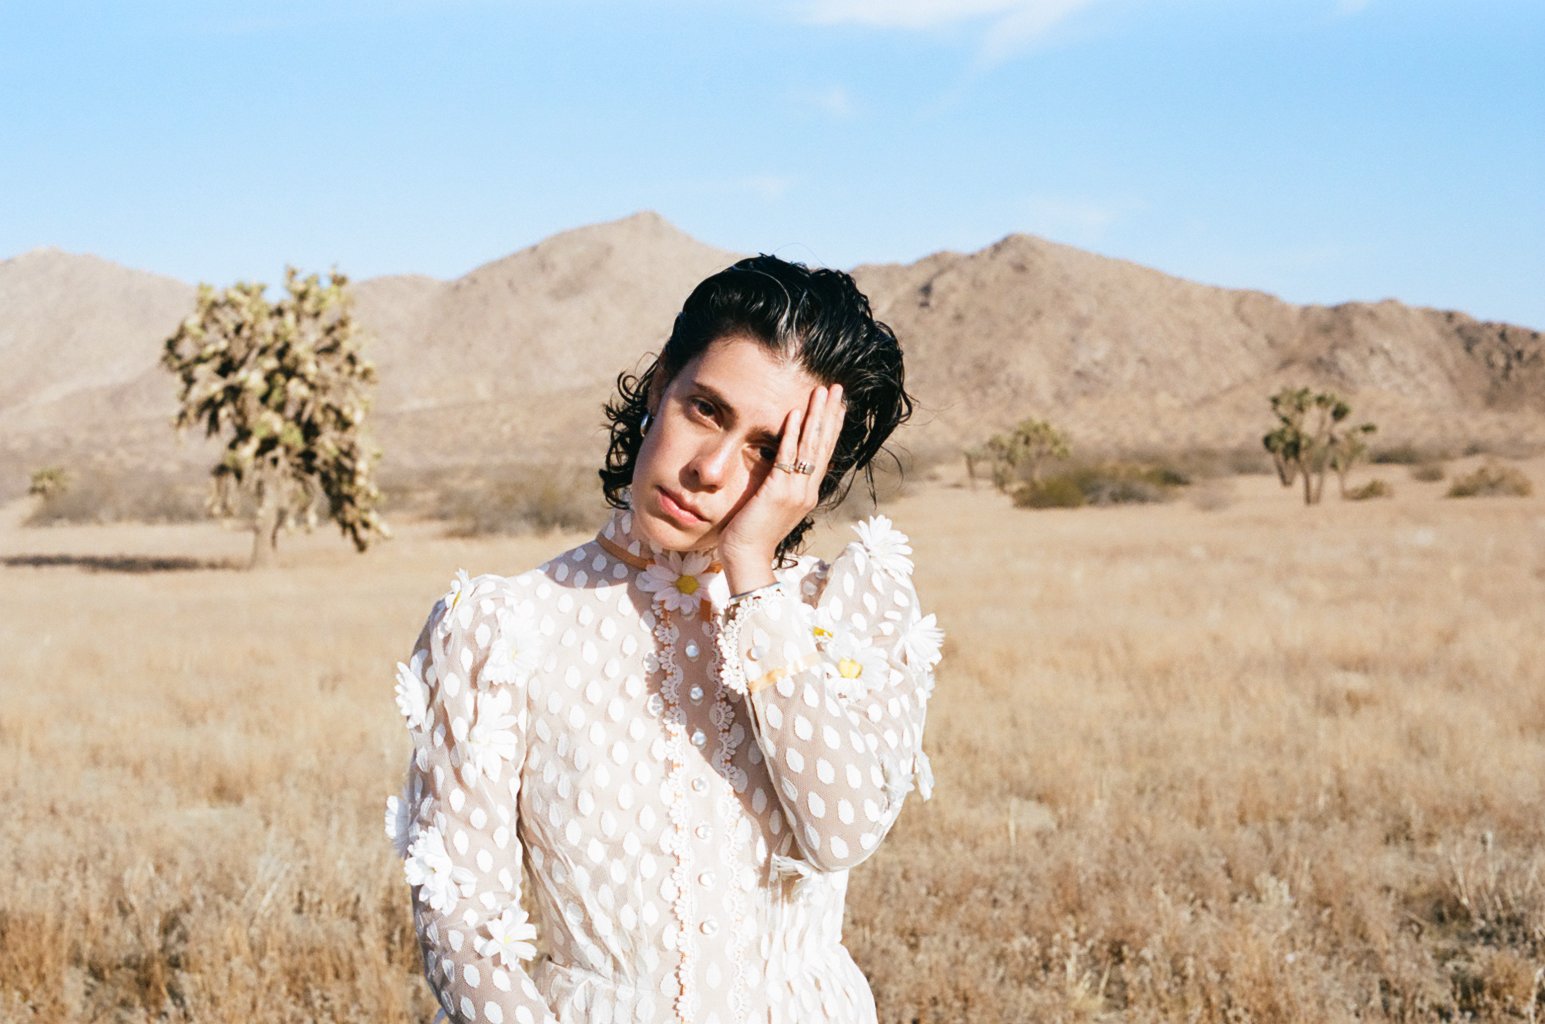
column 1250, row 763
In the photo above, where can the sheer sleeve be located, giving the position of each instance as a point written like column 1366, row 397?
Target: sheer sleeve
column 463, row 695
column 836, row 671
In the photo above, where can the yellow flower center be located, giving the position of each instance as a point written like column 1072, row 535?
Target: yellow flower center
column 687, row 585
column 847, row 668
column 824, row 634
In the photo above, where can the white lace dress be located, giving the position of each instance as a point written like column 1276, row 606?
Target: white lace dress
column 685, row 781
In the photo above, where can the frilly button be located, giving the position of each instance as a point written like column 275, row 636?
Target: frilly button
column 656, row 704
column 692, row 649
column 699, row 785
column 699, row 737
column 709, row 927
column 696, row 693
column 702, row 831
column 705, row 879
column 755, row 653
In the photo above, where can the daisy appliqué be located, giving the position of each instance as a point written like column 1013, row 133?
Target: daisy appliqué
column 886, row 546
column 441, row 882
column 854, row 665
column 511, row 937
column 399, row 817
column 490, row 741
column 413, row 691
column 921, row 642
column 681, row 581
column 458, row 600
column 515, row 649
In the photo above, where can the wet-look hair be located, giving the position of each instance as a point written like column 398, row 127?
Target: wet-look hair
column 817, row 318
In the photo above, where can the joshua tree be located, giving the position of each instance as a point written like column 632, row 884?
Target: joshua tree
column 1309, row 439
column 286, row 385
column 1019, row 454
column 48, row 482
column 1347, row 451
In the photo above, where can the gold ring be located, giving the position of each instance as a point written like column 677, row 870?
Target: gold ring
column 804, row 467
column 786, row 467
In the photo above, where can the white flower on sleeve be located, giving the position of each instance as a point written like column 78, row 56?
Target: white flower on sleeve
column 679, row 580
column 430, row 867
column 516, row 649
column 491, row 740
column 887, row 545
column 399, row 822
column 511, row 937
column 855, row 666
column 924, row 776
column 823, row 625
column 920, row 642
column 413, row 692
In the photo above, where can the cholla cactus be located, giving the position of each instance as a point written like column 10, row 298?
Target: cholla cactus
column 286, row 384
column 1309, row 439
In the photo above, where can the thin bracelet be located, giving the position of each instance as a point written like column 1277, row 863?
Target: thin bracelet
column 754, row 590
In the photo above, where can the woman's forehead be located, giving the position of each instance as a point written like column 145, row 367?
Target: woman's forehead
column 759, row 383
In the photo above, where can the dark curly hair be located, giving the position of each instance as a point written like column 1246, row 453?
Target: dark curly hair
column 818, row 318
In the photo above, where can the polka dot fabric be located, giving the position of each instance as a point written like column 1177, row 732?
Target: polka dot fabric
column 674, row 790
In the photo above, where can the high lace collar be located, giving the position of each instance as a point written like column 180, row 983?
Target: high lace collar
column 619, row 540
column 687, row 582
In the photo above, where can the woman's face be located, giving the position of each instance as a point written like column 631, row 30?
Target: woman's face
column 712, row 440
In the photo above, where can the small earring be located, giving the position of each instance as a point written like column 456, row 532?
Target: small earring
column 643, row 424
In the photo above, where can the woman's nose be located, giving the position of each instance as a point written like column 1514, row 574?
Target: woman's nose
column 712, row 465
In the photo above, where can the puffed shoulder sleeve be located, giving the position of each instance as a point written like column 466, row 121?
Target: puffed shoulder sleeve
column 836, row 669
column 463, row 695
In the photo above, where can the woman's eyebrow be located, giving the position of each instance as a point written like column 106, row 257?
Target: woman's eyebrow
column 728, row 408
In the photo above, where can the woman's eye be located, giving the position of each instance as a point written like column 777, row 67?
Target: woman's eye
column 702, row 407
column 767, row 453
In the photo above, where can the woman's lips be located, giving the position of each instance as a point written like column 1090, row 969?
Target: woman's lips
column 678, row 510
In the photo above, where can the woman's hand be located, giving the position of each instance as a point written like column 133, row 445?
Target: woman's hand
column 749, row 539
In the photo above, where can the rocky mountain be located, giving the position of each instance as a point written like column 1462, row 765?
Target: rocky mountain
column 510, row 362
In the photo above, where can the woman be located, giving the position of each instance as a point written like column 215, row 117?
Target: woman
column 685, row 734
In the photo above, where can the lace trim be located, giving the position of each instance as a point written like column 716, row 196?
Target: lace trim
column 666, row 634
column 732, row 669
column 722, row 714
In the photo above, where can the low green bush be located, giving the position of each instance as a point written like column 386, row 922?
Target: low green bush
column 1427, row 472
column 116, row 495
column 1105, row 483
column 1371, row 489
column 1054, row 492
column 1492, row 479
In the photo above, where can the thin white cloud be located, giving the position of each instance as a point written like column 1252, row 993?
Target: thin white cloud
column 1347, row 8
column 907, row 14
column 1010, row 25
column 836, row 102
column 767, row 187
column 1077, row 220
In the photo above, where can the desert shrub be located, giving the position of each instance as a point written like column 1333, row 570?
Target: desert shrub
column 1054, row 492
column 123, row 496
column 1405, row 454
column 1427, row 472
column 523, row 500
column 1371, row 489
column 1103, row 483
column 1492, row 479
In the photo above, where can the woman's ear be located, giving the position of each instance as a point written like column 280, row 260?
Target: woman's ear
column 656, row 394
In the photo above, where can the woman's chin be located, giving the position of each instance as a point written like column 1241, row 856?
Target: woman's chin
column 664, row 534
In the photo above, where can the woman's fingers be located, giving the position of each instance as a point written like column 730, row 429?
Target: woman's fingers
column 823, row 440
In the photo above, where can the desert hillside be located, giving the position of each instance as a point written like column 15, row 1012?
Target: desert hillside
column 510, row 361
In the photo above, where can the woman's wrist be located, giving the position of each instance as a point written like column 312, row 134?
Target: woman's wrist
column 746, row 574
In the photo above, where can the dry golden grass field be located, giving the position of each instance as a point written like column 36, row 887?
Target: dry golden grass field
column 1225, row 759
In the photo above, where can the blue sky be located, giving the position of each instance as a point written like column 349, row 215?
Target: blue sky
column 1321, row 150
